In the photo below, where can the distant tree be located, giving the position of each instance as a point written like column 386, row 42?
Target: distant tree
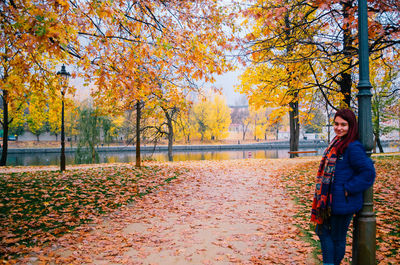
column 385, row 96
column 258, row 118
column 54, row 113
column 276, row 120
column 202, row 115
column 37, row 116
column 220, row 118
column 316, row 121
column 17, row 130
column 89, row 135
column 71, row 122
column 241, row 116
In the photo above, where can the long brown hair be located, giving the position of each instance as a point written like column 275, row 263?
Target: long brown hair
column 352, row 135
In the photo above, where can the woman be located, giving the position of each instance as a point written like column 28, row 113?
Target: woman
column 345, row 172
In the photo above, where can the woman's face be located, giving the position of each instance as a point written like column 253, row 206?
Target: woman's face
column 341, row 126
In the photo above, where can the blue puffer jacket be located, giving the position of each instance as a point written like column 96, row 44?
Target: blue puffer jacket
column 354, row 173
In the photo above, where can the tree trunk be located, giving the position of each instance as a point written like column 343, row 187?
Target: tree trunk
column 170, row 135
column 4, row 150
column 138, row 115
column 378, row 142
column 345, row 82
column 37, row 137
column 294, row 126
column 170, row 141
column 294, row 104
column 345, row 88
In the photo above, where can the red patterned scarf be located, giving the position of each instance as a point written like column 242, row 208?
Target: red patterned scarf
column 321, row 207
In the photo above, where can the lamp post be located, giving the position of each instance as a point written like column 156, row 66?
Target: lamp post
column 364, row 235
column 64, row 75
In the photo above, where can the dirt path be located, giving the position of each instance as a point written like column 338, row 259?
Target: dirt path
column 219, row 212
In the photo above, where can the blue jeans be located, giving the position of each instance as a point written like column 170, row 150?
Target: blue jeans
column 332, row 236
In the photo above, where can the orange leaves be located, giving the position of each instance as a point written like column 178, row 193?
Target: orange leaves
column 38, row 207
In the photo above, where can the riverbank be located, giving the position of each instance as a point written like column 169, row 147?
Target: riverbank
column 19, row 147
column 163, row 148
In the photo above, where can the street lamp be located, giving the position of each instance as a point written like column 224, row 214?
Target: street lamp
column 64, row 75
column 364, row 235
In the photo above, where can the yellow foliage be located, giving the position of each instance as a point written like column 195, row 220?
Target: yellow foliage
column 212, row 118
column 220, row 118
column 37, row 114
column 116, row 124
column 259, row 121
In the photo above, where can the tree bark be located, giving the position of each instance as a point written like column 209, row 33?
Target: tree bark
column 170, row 134
column 294, row 125
column 345, row 88
column 138, row 116
column 345, row 82
column 3, row 160
column 294, row 104
column 170, row 141
column 379, row 144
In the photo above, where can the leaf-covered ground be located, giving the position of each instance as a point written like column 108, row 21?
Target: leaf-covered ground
column 38, row 206
column 299, row 183
column 212, row 212
column 199, row 212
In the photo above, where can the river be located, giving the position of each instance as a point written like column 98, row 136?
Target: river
column 34, row 159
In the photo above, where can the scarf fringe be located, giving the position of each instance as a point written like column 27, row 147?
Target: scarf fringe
column 321, row 208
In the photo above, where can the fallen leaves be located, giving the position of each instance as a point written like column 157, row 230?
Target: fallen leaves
column 36, row 207
column 299, row 182
column 237, row 212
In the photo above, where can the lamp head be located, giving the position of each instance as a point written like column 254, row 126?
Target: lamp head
column 64, row 75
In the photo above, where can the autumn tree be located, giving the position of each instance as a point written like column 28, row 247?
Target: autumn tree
column 71, row 122
column 34, row 35
column 240, row 116
column 385, row 97
column 220, row 118
column 275, row 78
column 128, row 46
column 276, row 120
column 53, row 106
column 201, row 112
column 89, row 134
column 312, row 45
column 259, row 122
column 38, row 113
column 315, row 122
column 185, row 126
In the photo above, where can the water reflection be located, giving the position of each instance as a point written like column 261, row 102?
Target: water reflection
column 126, row 157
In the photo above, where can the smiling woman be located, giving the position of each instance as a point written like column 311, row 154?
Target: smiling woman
column 345, row 172
column 341, row 126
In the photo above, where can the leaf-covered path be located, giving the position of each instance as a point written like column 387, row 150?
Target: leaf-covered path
column 218, row 212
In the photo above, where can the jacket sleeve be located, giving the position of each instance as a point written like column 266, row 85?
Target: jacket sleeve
column 363, row 169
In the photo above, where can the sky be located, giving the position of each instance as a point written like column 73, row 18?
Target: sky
column 226, row 81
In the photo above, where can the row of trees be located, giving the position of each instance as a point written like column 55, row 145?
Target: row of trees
column 205, row 120
column 141, row 56
column 303, row 54
column 136, row 53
